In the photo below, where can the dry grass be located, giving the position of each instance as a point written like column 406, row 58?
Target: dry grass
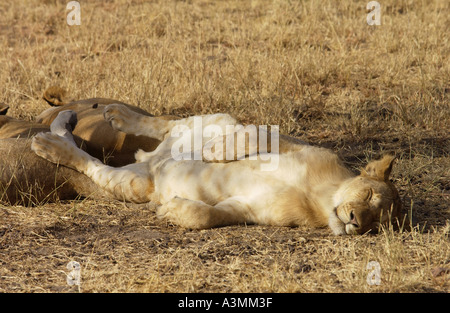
column 315, row 68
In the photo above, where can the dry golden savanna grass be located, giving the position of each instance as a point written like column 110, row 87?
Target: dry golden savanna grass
column 313, row 67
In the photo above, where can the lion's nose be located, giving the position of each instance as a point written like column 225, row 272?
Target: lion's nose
column 353, row 220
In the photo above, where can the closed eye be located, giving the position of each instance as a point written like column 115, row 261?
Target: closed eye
column 369, row 194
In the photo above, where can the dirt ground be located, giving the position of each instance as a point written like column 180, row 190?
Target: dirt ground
column 124, row 248
column 314, row 68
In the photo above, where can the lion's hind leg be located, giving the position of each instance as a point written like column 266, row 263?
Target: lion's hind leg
column 200, row 215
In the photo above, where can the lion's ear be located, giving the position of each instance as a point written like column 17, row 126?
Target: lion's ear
column 380, row 169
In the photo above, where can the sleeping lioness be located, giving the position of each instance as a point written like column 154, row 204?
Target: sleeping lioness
column 310, row 185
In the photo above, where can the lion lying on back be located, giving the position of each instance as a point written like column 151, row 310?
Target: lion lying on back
column 309, row 186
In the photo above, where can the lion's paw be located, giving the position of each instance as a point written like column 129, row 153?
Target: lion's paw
column 186, row 213
column 53, row 148
column 169, row 210
column 120, row 117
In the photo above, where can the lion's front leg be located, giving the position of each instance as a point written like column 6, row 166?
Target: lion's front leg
column 199, row 215
column 249, row 142
column 244, row 141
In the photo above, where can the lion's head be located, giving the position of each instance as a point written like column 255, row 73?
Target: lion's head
column 367, row 201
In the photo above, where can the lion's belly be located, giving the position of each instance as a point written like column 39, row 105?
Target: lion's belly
column 206, row 182
column 216, row 182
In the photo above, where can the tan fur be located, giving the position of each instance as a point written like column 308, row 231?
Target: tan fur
column 3, row 108
column 310, row 185
column 14, row 128
column 21, row 172
column 102, row 141
column 29, row 180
